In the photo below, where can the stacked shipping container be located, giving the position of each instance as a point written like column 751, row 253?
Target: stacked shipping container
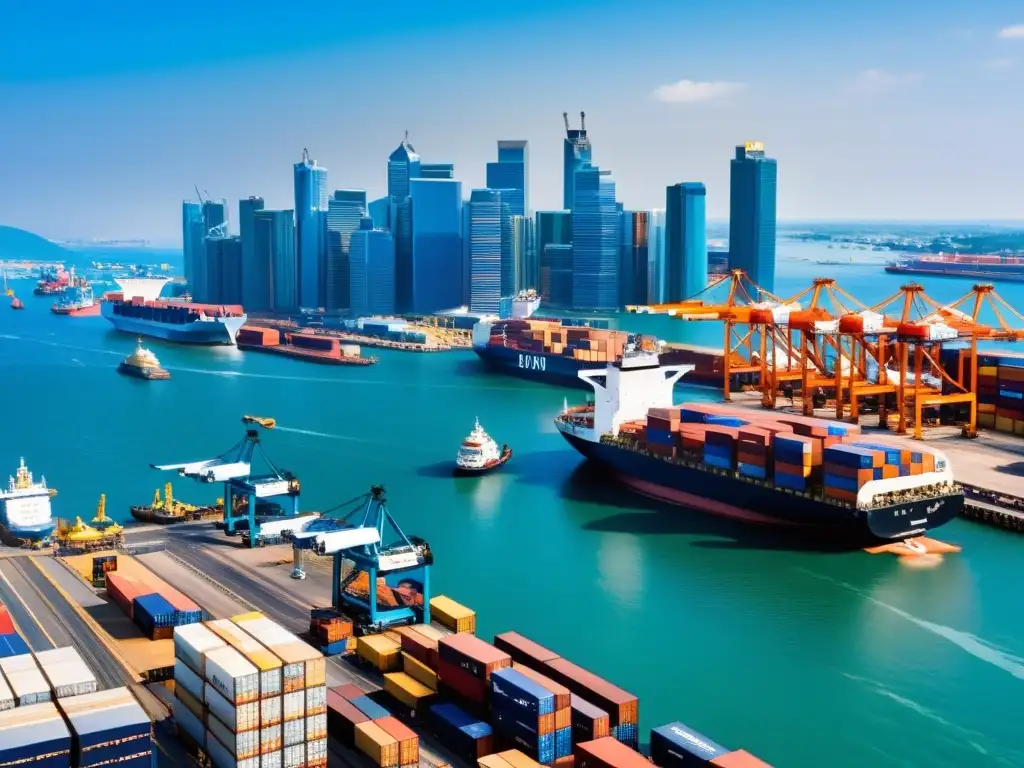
column 108, row 727
column 154, row 605
column 592, row 345
column 525, row 714
column 1001, row 393
column 360, row 722
column 677, row 746
column 848, row 467
column 11, row 643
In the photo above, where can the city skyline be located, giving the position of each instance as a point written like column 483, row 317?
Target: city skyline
column 126, row 137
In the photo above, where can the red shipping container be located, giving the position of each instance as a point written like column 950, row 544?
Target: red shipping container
column 621, row 706
column 738, row 759
column 459, row 680
column 523, row 650
column 124, row 589
column 607, row 753
column 757, row 459
column 563, row 696
column 792, row 469
column 420, row 647
column 755, row 435
column 715, row 433
column 6, row 623
column 841, row 495
column 853, row 473
column 348, row 691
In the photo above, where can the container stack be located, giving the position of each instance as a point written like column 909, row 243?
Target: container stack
column 464, row 667
column 752, row 452
column 231, row 694
column 720, row 446
column 25, row 679
column 660, row 434
column 849, row 467
column 382, row 652
column 678, row 746
column 797, row 461
column 358, row 721
column 11, row 643
column 66, row 673
column 332, row 631
column 526, row 714
column 154, row 606
column 458, row 618
column 34, row 734
column 108, row 727
column 101, row 566
column 191, row 645
column 607, row 753
column 623, row 708
column 466, row 736
column 1001, row 393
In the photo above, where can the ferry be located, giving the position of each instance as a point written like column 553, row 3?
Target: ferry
column 479, row 453
column 25, row 507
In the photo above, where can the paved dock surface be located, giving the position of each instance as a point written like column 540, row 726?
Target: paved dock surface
column 31, row 615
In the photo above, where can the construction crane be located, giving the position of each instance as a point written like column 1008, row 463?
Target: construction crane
column 242, row 489
column 388, row 583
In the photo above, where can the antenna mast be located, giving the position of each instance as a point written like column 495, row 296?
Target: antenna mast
column 583, row 118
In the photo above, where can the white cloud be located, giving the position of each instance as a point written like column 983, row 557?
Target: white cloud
column 1004, row 63
column 1016, row 32
column 872, row 81
column 692, row 91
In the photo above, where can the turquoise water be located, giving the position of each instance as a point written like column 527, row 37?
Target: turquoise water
column 804, row 659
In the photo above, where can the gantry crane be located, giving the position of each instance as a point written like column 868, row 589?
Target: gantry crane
column 369, row 537
column 242, row 489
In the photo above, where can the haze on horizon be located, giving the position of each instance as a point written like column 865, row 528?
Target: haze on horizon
column 875, row 110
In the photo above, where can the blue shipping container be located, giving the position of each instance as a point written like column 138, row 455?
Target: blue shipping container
column 152, row 612
column 563, row 742
column 677, row 746
column 182, row 618
column 660, row 436
column 725, row 421
column 752, row 470
column 628, row 734
column 892, row 455
column 854, row 456
column 516, row 689
column 792, row 482
column 842, row 483
column 369, row 707
column 458, row 731
column 521, row 728
column 12, row 645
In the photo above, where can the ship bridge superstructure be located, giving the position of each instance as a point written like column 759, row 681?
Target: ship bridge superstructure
column 145, row 288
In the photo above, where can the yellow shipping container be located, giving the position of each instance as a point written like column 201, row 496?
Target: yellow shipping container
column 247, row 616
column 383, row 652
column 374, row 742
column 406, row 689
column 457, row 618
column 988, row 370
column 1004, row 424
column 417, row 670
column 987, row 420
column 986, row 407
column 517, row 759
column 492, row 761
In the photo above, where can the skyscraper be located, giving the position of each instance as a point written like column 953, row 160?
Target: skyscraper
column 656, row 260
column 215, row 217
column 372, row 259
column 525, row 257
column 403, row 167
column 436, row 208
column 380, row 212
column 511, row 174
column 575, row 155
column 686, row 242
column 274, row 233
column 255, row 275
column 753, row 183
column 192, row 235
column 221, row 281
column 345, row 211
column 489, row 250
column 310, row 204
column 554, row 228
column 437, row 170
column 636, row 254
column 596, row 237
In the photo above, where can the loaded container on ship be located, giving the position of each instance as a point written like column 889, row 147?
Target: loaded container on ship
column 756, row 466
column 138, row 309
column 989, row 267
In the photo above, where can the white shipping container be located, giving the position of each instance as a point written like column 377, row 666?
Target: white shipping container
column 185, row 678
column 23, row 729
column 270, row 739
column 191, row 644
column 294, row 705
column 294, row 732
column 195, row 706
column 29, row 687
column 289, row 648
column 271, row 711
column 255, row 652
column 57, row 656
column 271, row 760
column 237, row 717
column 294, row 757
column 6, row 695
column 70, row 678
column 316, row 700
column 349, row 350
column 222, row 758
column 316, row 727
column 18, row 663
column 238, row 745
column 316, row 752
column 188, row 724
column 232, row 676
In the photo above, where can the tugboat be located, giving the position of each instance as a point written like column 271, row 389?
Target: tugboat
column 263, row 421
column 16, row 303
column 142, row 364
column 479, row 453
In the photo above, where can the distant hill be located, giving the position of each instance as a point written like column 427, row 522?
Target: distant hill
column 18, row 244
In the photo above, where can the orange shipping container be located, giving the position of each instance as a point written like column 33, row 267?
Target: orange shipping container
column 408, row 741
column 738, row 759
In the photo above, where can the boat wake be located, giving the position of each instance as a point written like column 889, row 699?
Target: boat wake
column 313, row 433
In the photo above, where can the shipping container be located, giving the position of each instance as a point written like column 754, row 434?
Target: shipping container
column 342, row 718
column 521, row 731
column 677, row 746
column 152, row 613
column 28, row 686
column 589, row 723
column 293, row 732
column 243, row 744
column 222, row 757
column 185, row 678
column 369, row 707
column 70, row 678
column 419, row 671
column 6, row 696
column 517, row 689
column 453, row 681
column 457, row 618
column 517, row 759
column 348, row 691
column 271, row 711
column 19, row 663
column 408, row 741
column 473, row 655
column 30, row 731
column 523, row 650
column 269, row 665
column 316, row 726
column 738, row 759
column 293, row 705
column 6, row 622
column 494, row 761
column 466, row 736
column 189, row 725
column 191, row 644
column 123, row 590
column 237, row 717
column 407, row 690
column 107, row 725
column 607, row 753
column 435, row 632
column 420, row 647
column 382, row 652
column 194, row 703
column 270, row 741
column 622, row 707
column 303, row 664
column 563, row 696
column 232, row 676
column 316, row 700
column 377, row 744
column 12, row 645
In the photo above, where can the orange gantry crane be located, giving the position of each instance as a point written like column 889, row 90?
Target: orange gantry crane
column 826, row 341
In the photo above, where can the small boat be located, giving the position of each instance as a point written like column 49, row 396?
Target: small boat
column 142, row 364
column 263, row 421
column 479, row 453
column 169, row 510
column 16, row 303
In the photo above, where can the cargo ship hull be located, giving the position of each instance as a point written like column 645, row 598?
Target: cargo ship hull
column 728, row 495
column 221, row 330
column 975, row 272
column 93, row 310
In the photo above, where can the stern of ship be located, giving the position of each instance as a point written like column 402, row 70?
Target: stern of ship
column 896, row 522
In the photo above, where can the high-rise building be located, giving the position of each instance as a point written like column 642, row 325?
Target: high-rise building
column 753, row 183
column 686, row 242
column 576, row 153
column 555, row 283
column 192, row 235
column 215, row 217
column 274, row 233
column 437, row 171
column 345, row 211
column 372, row 259
column 596, row 237
column 436, row 265
column 310, row 204
column 524, row 251
column 221, row 282
column 656, row 261
column 511, row 175
column 490, row 253
column 255, row 275
column 403, row 167
column 636, row 255
column 380, row 212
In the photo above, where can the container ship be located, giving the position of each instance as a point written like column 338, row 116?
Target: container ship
column 987, row 267
column 755, row 466
column 138, row 309
column 77, row 300
column 52, row 281
column 25, row 507
column 314, row 347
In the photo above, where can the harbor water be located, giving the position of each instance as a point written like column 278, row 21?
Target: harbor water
column 802, row 658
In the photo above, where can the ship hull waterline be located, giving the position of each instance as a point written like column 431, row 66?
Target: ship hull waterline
column 498, row 463
column 217, row 332
column 726, row 495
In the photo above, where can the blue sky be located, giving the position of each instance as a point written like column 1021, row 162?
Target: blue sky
column 111, row 111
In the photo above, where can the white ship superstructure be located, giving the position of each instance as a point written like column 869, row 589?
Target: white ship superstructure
column 25, row 506
column 478, row 450
column 145, row 288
